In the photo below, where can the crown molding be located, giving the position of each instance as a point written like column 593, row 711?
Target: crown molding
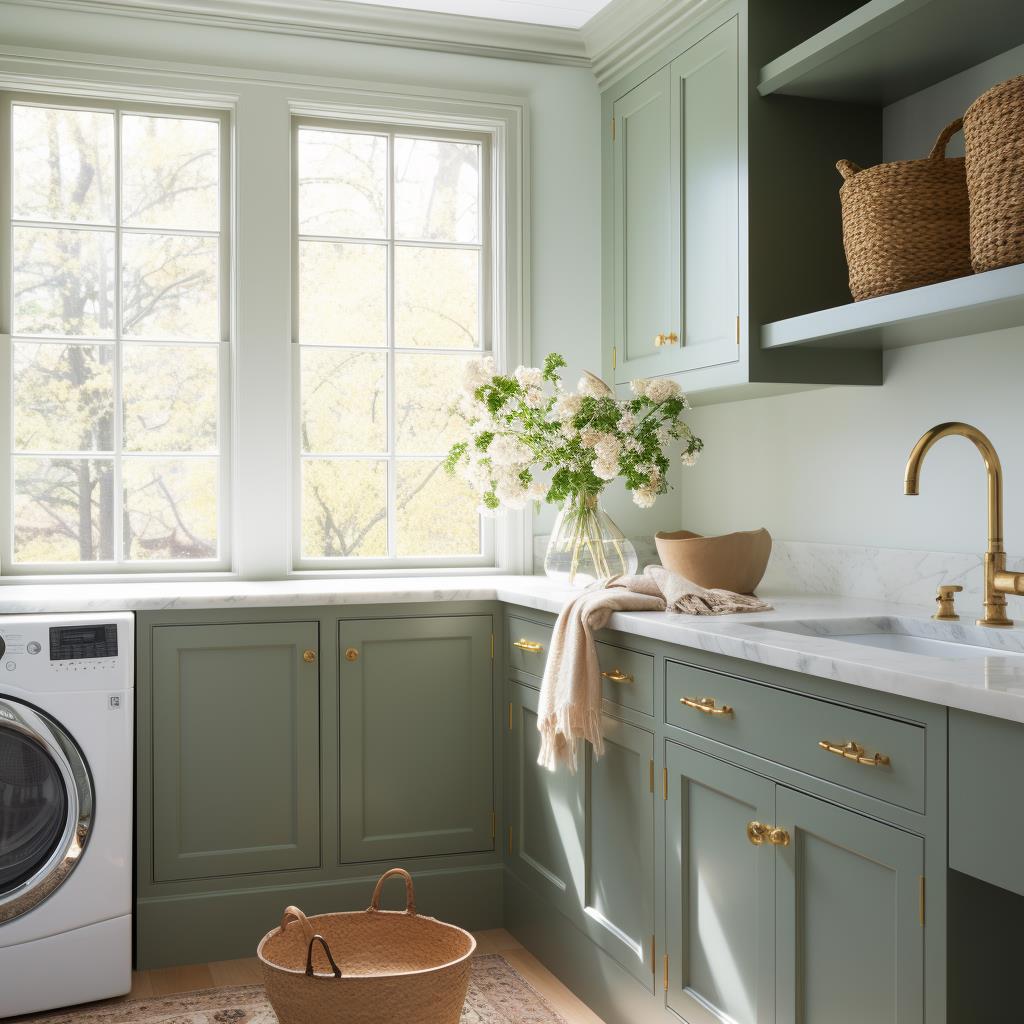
column 355, row 22
column 626, row 32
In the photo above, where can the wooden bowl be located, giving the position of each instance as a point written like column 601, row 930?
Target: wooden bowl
column 733, row 561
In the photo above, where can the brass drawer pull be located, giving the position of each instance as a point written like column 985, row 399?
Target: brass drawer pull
column 853, row 751
column 618, row 676
column 530, row 646
column 778, row 837
column 757, row 832
column 706, row 705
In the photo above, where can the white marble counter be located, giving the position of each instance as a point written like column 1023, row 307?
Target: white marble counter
column 991, row 685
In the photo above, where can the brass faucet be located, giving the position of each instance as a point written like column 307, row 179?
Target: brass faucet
column 998, row 582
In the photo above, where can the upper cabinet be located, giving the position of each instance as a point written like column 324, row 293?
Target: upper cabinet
column 701, row 242
column 676, row 186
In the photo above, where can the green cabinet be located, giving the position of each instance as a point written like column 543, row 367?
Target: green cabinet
column 415, row 725
column 235, row 749
column 618, row 848
column 822, row 924
column 543, row 810
column 676, row 213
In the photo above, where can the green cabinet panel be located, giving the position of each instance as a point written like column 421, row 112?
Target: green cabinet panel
column 544, row 810
column 235, row 749
column 643, row 229
column 705, row 174
column 618, row 884
column 720, row 891
column 416, row 737
column 849, row 942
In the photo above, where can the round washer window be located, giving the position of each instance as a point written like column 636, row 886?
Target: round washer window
column 34, row 802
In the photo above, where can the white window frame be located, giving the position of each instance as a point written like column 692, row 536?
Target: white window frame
column 175, row 568
column 487, row 330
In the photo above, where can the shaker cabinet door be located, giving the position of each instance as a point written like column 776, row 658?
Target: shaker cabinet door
column 719, row 893
column 416, row 733
column 849, row 935
column 618, row 882
column 543, row 810
column 705, row 176
column 643, row 231
column 236, row 749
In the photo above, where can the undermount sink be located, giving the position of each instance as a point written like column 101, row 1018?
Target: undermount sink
column 911, row 636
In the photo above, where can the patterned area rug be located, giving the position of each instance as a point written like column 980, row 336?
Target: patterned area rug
column 498, row 994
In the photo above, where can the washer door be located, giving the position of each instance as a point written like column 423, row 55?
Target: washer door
column 46, row 807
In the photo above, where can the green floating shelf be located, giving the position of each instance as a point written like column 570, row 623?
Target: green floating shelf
column 969, row 305
column 889, row 49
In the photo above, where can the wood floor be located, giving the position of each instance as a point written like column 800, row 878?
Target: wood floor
column 171, row 980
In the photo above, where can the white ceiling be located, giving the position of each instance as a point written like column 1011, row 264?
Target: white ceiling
column 560, row 13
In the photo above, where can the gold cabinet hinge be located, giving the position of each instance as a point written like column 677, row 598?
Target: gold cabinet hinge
column 664, row 783
column 654, row 959
column 492, row 647
column 509, row 840
column 652, row 774
column 510, row 716
column 665, row 981
column 615, row 355
column 494, row 825
column 737, row 330
column 920, row 899
column 613, row 127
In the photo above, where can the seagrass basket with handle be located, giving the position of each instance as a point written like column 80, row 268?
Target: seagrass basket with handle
column 994, row 143
column 905, row 223
column 369, row 967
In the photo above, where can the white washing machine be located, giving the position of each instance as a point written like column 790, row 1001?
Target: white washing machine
column 66, row 738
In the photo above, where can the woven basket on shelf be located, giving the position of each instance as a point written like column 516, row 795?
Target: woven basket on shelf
column 994, row 140
column 905, row 224
column 370, row 967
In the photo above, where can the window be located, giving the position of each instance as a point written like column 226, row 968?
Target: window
column 116, row 307
column 393, row 296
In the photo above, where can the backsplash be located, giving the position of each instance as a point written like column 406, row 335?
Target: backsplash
column 873, row 573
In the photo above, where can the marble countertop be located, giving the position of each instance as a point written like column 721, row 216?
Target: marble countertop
column 991, row 684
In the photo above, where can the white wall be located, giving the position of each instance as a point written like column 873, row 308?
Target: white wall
column 564, row 146
column 827, row 465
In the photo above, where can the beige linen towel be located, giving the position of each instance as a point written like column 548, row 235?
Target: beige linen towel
column 570, row 695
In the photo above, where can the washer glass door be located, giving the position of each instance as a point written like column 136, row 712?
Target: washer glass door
column 45, row 807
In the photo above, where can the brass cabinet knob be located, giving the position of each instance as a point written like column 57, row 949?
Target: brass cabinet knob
column 757, row 832
column 706, row 705
column 665, row 339
column 351, row 654
column 309, row 657
column 618, row 676
column 853, row 751
column 945, row 598
column 778, row 837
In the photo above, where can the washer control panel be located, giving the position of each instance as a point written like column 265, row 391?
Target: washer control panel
column 76, row 643
column 57, row 645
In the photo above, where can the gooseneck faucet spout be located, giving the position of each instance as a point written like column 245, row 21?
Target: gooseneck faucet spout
column 998, row 582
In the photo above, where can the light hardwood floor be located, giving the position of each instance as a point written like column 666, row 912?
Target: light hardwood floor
column 171, row 980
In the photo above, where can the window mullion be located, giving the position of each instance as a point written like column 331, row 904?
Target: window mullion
column 392, row 404
column 118, row 502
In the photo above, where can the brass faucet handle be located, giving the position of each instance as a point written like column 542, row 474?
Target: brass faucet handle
column 945, row 598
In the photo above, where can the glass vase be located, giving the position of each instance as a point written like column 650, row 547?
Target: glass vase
column 586, row 546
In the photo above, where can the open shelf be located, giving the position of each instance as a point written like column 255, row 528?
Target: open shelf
column 888, row 49
column 969, row 305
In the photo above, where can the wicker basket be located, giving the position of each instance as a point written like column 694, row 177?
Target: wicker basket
column 905, row 224
column 369, row 967
column 994, row 137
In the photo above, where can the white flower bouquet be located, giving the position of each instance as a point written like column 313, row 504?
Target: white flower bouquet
column 526, row 439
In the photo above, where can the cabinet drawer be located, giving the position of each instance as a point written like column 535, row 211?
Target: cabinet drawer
column 788, row 727
column 627, row 677
column 528, row 645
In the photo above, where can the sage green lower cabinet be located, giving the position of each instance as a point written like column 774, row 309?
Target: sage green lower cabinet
column 236, row 750
column 719, row 891
column 618, row 881
column 544, row 810
column 415, row 715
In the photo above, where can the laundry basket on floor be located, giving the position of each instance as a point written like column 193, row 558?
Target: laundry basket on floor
column 370, row 967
